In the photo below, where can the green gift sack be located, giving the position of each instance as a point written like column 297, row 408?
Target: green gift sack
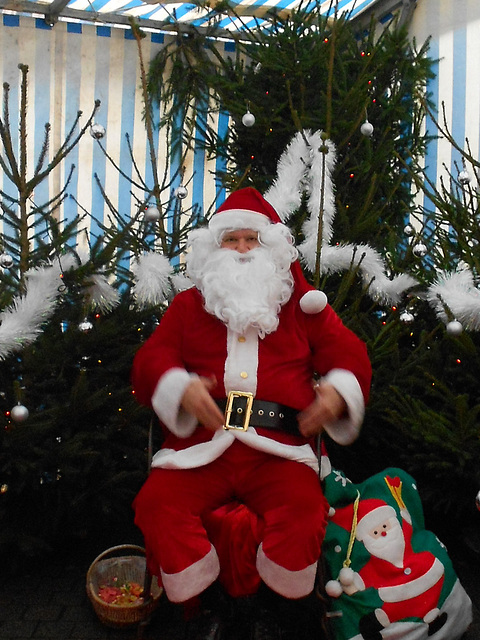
column 389, row 576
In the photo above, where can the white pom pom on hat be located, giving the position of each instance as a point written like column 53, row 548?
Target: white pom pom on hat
column 313, row 301
column 248, row 209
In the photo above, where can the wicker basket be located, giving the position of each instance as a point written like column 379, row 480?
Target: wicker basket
column 121, row 569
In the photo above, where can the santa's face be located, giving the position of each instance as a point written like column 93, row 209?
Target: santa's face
column 386, row 541
column 241, row 240
column 244, row 279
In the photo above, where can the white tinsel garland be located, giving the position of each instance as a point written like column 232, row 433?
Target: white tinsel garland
column 152, row 274
column 99, row 292
column 458, row 292
column 22, row 322
column 306, row 166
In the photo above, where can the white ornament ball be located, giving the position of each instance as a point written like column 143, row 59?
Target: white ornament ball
column 366, row 129
column 464, row 177
column 407, row 317
column 152, row 214
column 181, row 192
column 97, row 131
column 313, row 302
column 454, row 328
column 19, row 413
column 6, row 260
column 419, row 250
column 346, row 576
column 333, row 588
column 85, row 326
column 248, row 119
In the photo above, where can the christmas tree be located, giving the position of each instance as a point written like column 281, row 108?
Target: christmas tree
column 76, row 305
column 330, row 124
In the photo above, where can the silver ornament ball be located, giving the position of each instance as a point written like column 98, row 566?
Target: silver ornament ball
column 419, row 250
column 248, row 119
column 85, row 326
column 454, row 328
column 406, row 317
column 152, row 214
column 6, row 260
column 464, row 177
column 408, row 230
column 366, row 129
column 181, row 192
column 97, row 131
column 477, row 500
column 19, row 413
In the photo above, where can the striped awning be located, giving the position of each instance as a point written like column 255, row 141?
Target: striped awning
column 225, row 15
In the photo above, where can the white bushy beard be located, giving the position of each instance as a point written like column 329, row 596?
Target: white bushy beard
column 244, row 290
column 390, row 547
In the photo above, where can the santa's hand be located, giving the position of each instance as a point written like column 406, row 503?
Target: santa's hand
column 198, row 401
column 327, row 407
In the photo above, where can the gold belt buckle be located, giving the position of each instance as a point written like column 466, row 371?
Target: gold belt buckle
column 248, row 410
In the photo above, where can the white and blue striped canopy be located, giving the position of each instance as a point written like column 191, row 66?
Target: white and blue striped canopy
column 169, row 14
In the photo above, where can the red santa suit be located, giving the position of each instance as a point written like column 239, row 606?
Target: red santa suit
column 273, row 472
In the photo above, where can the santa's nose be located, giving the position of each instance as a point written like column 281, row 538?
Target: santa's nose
column 384, row 533
column 242, row 246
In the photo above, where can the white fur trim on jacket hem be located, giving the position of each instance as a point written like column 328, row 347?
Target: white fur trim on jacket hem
column 166, row 402
column 289, row 584
column 346, row 430
column 193, row 580
column 201, row 454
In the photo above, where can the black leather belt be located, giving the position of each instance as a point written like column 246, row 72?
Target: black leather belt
column 243, row 410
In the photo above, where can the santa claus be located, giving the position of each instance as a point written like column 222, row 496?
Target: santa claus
column 229, row 371
column 408, row 582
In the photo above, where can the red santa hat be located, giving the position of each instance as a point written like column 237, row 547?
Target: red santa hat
column 248, row 209
column 371, row 513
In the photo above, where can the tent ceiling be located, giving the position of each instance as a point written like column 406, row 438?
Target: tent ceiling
column 171, row 15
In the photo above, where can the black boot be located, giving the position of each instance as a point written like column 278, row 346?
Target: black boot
column 287, row 619
column 210, row 620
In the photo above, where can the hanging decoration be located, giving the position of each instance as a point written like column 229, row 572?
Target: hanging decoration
column 366, row 129
column 152, row 280
column 248, row 119
column 152, row 214
column 6, row 261
column 419, row 250
column 454, row 295
column 306, row 166
column 22, row 322
column 85, row 325
column 19, row 413
column 97, row 131
column 181, row 192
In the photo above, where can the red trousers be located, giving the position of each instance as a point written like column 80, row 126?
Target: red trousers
column 196, row 527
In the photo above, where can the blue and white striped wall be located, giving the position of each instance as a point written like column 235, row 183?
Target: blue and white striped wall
column 454, row 29
column 72, row 64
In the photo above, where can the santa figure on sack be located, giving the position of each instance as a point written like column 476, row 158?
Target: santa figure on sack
column 229, row 371
column 409, row 583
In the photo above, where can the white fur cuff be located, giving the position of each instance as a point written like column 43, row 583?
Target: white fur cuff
column 166, row 402
column 346, row 430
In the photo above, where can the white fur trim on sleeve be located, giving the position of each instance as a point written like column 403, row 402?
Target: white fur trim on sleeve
column 346, row 430
column 166, row 402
